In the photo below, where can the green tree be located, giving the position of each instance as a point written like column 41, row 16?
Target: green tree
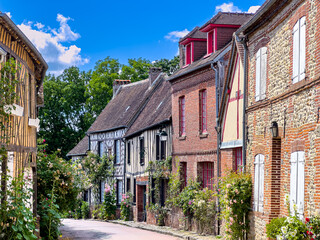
column 168, row 66
column 138, row 69
column 99, row 90
column 65, row 117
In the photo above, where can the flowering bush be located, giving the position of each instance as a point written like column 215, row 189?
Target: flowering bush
column 235, row 198
column 109, row 203
column 187, row 196
column 204, row 209
column 16, row 219
column 313, row 225
column 125, row 207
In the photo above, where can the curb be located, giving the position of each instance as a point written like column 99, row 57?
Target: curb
column 155, row 230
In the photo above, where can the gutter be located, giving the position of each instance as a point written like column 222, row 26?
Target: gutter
column 27, row 41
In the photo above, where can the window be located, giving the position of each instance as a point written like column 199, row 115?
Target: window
column 129, row 152
column 258, row 182
column 117, row 151
column 238, row 159
column 142, row 150
column 134, row 190
column 297, row 181
column 183, row 171
column 203, row 111
column 157, row 147
column 211, row 43
column 261, row 73
column 119, row 191
column 102, row 191
column 163, row 149
column 299, row 50
column 100, row 148
column 188, row 54
column 207, row 175
column 128, row 185
column 182, row 116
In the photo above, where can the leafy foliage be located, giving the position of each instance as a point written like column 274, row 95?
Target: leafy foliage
column 187, row 197
column 125, row 207
column 85, row 210
column 235, row 198
column 168, row 66
column 65, row 117
column 109, row 203
column 16, row 219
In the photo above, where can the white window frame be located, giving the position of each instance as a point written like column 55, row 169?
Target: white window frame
column 261, row 73
column 297, row 180
column 258, row 183
column 299, row 50
column 118, row 152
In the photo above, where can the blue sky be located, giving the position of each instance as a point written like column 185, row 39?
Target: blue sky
column 82, row 32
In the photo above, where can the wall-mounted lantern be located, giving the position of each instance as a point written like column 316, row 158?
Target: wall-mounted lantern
column 163, row 136
column 274, row 129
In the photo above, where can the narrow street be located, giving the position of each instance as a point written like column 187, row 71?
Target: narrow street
column 93, row 230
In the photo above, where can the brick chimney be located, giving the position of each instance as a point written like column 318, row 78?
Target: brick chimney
column 154, row 72
column 117, row 83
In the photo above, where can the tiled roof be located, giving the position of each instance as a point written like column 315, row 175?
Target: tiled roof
column 156, row 111
column 195, row 33
column 120, row 110
column 81, row 148
column 228, row 18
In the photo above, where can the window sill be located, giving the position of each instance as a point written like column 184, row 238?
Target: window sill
column 207, row 55
column 183, row 137
column 185, row 66
column 204, row 135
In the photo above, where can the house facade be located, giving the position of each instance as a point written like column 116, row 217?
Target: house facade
column 282, row 110
column 19, row 138
column 149, row 139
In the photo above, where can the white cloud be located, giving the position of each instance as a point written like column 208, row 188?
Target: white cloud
column 253, row 9
column 227, row 7
column 174, row 36
column 54, row 44
column 8, row 14
column 230, row 7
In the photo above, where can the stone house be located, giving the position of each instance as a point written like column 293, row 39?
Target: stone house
column 282, row 43
column 196, row 96
column 149, row 139
column 19, row 137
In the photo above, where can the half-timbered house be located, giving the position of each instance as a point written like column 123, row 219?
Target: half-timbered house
column 149, row 139
column 21, row 126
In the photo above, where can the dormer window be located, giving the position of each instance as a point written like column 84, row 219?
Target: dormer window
column 211, row 43
column 188, row 54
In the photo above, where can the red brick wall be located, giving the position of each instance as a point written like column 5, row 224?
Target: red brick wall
column 227, row 160
column 194, row 147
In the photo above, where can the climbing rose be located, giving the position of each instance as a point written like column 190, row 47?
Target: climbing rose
column 307, row 219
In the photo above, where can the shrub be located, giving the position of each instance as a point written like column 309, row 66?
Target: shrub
column 85, row 210
column 125, row 208
column 204, row 209
column 109, row 203
column 274, row 227
column 97, row 212
column 16, row 219
column 235, row 198
column 186, row 198
column 160, row 213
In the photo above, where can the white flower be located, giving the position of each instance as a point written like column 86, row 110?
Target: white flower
column 294, row 233
column 279, row 237
column 284, row 229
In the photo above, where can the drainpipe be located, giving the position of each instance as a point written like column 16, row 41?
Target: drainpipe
column 124, row 166
column 243, row 41
column 218, row 137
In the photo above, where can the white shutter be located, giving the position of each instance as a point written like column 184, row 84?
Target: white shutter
column 300, row 193
column 293, row 181
column 261, row 182
column 258, row 74
column 302, row 45
column 295, row 67
column 263, row 76
column 256, row 183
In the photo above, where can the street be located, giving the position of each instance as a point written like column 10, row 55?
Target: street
column 91, row 230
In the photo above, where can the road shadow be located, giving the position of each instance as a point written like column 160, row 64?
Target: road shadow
column 71, row 233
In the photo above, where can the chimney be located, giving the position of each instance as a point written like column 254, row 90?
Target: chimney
column 154, row 72
column 117, row 83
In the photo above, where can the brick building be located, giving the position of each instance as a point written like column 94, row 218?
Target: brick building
column 283, row 95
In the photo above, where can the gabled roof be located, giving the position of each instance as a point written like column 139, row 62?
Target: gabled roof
column 120, row 110
column 228, row 18
column 194, row 34
column 156, row 111
column 201, row 63
column 81, row 148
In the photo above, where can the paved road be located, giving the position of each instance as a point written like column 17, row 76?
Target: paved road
column 96, row 230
